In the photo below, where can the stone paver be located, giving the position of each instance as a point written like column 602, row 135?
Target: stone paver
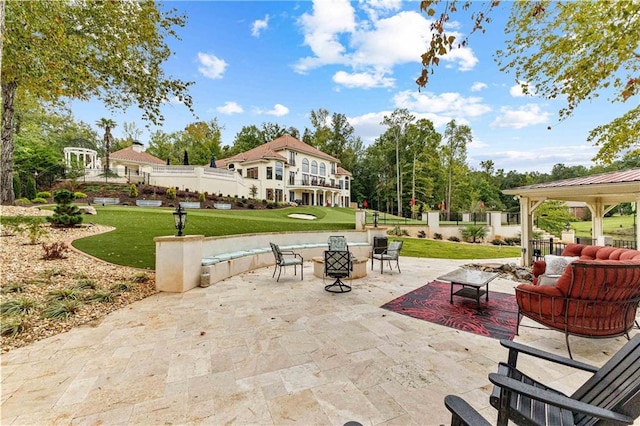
column 250, row 350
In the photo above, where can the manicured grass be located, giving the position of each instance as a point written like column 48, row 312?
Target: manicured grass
column 132, row 244
column 418, row 247
column 619, row 227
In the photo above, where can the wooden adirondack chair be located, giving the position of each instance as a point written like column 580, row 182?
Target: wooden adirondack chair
column 611, row 395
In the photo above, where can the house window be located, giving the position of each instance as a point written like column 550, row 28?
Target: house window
column 252, row 173
column 314, row 167
column 305, row 165
column 305, row 179
column 333, row 168
column 323, row 169
column 340, row 184
column 269, row 172
column 346, row 183
column 292, row 158
column 292, row 196
column 279, row 170
column 292, row 178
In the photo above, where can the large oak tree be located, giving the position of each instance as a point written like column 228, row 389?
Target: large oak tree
column 574, row 51
column 60, row 50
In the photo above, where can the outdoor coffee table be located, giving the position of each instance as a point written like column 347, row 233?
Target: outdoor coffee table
column 471, row 281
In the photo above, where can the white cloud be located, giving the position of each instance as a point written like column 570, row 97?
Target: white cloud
column 450, row 103
column 259, row 25
column 211, row 66
column 278, row 110
column 362, row 80
column 540, row 160
column 229, row 108
column 374, row 45
column 478, row 86
column 517, row 92
column 527, row 115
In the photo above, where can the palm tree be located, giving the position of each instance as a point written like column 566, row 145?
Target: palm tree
column 107, row 124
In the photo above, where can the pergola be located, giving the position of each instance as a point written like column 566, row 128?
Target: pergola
column 601, row 193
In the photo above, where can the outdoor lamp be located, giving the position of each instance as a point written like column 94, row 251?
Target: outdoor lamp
column 567, row 226
column 375, row 219
column 180, row 218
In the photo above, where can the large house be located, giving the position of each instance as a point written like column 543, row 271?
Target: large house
column 283, row 170
column 287, row 169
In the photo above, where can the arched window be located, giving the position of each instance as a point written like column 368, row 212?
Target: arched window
column 314, row 167
column 279, row 170
column 323, row 169
column 305, row 165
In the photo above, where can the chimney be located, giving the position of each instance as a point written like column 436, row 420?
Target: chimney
column 138, row 146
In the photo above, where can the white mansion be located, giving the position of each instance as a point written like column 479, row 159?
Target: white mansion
column 283, row 170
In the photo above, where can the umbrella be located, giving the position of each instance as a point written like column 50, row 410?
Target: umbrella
column 212, row 163
column 186, row 158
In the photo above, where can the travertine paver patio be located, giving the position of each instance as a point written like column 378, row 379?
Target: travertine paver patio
column 249, row 350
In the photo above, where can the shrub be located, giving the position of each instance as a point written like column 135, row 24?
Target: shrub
column 239, row 204
column 264, row 201
column 398, row 231
column 79, row 195
column 171, row 193
column 84, row 284
column 12, row 287
column 64, row 294
column 17, row 186
column 29, row 225
column 122, row 287
column 22, row 201
column 437, row 236
column 422, row 234
column 140, row 278
column 59, row 309
column 498, row 242
column 20, row 305
column 474, row 233
column 29, row 190
column 103, row 296
column 513, row 241
column 251, row 206
column 11, row 327
column 133, row 190
column 65, row 213
column 55, row 250
column 43, row 194
column 39, row 200
column 454, row 239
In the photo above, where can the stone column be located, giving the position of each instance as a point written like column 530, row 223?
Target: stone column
column 178, row 262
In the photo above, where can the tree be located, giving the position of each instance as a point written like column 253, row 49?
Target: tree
column 107, row 124
column 112, row 51
column 397, row 124
column 247, row 138
column 454, row 155
column 545, row 60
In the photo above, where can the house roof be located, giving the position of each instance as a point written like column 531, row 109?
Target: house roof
column 271, row 151
column 612, row 187
column 129, row 154
column 342, row 171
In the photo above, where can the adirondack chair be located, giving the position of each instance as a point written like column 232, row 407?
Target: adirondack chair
column 611, row 395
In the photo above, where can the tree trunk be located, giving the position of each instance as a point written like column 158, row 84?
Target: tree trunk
column 7, row 197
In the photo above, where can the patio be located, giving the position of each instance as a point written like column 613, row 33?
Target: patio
column 249, row 350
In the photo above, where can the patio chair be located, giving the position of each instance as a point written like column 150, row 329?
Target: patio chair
column 380, row 245
column 338, row 243
column 286, row 258
column 337, row 264
column 391, row 253
column 611, row 395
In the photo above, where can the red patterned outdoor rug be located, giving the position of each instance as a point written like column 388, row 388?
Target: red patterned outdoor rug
column 495, row 318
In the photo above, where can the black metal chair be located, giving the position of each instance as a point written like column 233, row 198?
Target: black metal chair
column 337, row 264
column 380, row 245
column 286, row 258
column 391, row 253
column 610, row 396
column 338, row 243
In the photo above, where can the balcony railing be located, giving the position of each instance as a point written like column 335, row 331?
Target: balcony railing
column 311, row 182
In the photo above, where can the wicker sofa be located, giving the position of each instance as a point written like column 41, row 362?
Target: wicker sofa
column 597, row 295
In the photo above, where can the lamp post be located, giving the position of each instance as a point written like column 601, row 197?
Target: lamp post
column 567, row 226
column 180, row 219
column 375, row 219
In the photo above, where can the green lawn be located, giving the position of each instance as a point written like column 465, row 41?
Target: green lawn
column 619, row 227
column 132, row 244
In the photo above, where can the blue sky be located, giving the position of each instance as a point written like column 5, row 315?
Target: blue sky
column 275, row 61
